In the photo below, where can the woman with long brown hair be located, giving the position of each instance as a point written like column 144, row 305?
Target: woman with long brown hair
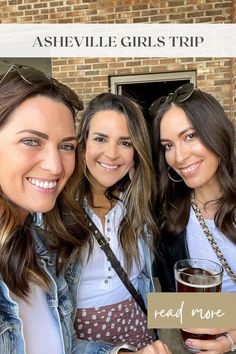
column 115, row 192
column 196, row 180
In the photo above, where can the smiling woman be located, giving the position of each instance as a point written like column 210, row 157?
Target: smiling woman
column 185, row 153
column 109, row 153
column 115, row 192
column 37, row 156
column 196, row 169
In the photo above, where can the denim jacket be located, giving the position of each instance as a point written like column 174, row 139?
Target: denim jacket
column 72, row 276
column 145, row 285
column 59, row 300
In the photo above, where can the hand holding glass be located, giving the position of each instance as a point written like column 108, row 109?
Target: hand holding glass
column 197, row 275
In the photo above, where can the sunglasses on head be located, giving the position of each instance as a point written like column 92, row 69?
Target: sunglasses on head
column 34, row 76
column 181, row 94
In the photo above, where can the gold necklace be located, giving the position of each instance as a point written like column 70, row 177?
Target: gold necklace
column 215, row 198
column 208, row 208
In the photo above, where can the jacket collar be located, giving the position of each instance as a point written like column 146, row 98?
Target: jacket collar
column 40, row 244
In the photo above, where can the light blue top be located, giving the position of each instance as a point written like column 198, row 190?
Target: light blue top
column 200, row 247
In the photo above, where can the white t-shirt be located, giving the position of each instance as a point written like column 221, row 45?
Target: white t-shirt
column 40, row 330
column 200, row 247
column 99, row 282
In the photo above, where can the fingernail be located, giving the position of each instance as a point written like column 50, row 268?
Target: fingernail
column 189, row 342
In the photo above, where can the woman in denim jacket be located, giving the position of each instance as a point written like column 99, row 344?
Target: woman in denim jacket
column 37, row 156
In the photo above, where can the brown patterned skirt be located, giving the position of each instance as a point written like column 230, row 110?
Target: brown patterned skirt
column 120, row 323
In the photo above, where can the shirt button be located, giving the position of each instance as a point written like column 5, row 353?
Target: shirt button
column 109, row 268
column 108, row 229
column 108, row 220
column 105, row 281
column 108, row 239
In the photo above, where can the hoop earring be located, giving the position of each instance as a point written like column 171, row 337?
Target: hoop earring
column 171, row 178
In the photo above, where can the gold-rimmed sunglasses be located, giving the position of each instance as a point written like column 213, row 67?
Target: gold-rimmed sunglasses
column 34, row 76
column 181, row 94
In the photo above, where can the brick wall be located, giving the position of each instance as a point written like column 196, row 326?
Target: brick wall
column 89, row 76
column 234, row 74
column 116, row 11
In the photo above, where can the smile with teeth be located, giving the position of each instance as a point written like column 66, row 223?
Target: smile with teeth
column 190, row 169
column 108, row 167
column 43, row 184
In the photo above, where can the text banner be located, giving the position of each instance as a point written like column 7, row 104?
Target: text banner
column 191, row 310
column 118, row 40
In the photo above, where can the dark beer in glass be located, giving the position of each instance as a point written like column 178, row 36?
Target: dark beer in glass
column 197, row 275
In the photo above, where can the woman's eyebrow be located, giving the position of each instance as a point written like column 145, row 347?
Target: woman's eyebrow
column 36, row 132
column 179, row 134
column 100, row 134
column 45, row 136
column 106, row 136
column 69, row 138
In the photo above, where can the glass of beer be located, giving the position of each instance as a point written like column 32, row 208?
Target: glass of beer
column 197, row 275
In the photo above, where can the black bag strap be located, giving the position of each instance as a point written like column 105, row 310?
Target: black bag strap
column 104, row 245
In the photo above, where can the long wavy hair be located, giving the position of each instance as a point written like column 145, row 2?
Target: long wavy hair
column 138, row 193
column 18, row 264
column 216, row 132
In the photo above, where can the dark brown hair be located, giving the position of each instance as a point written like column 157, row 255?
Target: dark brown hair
column 216, row 132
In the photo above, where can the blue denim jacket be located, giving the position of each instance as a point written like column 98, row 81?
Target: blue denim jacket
column 68, row 291
column 145, row 285
column 59, row 300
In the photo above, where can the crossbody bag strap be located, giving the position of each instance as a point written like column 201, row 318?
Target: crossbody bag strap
column 104, row 245
column 212, row 240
